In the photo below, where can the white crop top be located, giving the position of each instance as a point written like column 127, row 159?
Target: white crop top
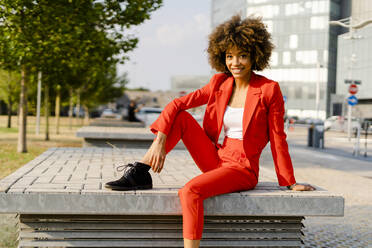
column 233, row 122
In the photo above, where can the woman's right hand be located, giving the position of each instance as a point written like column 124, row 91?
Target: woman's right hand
column 155, row 155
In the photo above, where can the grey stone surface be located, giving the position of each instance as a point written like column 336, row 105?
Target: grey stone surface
column 111, row 122
column 70, row 180
column 130, row 133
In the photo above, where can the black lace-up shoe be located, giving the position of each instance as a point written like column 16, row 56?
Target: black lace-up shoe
column 136, row 176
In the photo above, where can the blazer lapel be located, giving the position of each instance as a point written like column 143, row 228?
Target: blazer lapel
column 251, row 101
column 222, row 99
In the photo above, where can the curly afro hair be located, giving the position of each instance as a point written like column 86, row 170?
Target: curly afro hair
column 249, row 35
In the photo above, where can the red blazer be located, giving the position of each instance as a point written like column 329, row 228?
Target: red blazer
column 262, row 120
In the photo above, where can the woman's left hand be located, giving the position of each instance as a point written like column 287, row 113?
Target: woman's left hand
column 302, row 187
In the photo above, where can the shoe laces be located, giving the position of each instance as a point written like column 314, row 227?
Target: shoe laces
column 126, row 168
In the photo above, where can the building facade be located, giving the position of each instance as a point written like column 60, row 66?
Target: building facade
column 354, row 62
column 305, row 54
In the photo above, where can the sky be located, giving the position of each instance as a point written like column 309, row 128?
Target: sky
column 173, row 42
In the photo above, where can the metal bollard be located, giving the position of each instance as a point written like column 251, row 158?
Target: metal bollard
column 318, row 137
column 310, row 135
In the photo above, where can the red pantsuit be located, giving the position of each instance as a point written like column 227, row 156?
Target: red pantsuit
column 232, row 166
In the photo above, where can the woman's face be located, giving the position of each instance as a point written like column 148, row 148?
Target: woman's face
column 239, row 63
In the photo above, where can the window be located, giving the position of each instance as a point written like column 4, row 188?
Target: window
column 266, row 11
column 294, row 9
column 325, row 56
column 305, row 92
column 318, row 22
column 307, row 57
column 298, row 93
column 292, row 92
column 311, row 94
column 286, row 58
column 322, row 94
column 293, row 41
column 274, row 59
column 297, row 74
column 319, row 7
column 335, row 9
column 284, row 90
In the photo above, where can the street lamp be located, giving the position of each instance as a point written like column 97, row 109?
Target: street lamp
column 317, row 96
column 348, row 23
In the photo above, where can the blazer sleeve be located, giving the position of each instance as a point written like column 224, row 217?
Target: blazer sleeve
column 277, row 136
column 194, row 99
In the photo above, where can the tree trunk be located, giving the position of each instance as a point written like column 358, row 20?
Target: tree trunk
column 46, row 110
column 10, row 104
column 70, row 110
column 86, row 115
column 22, row 127
column 38, row 102
column 58, row 106
column 78, row 107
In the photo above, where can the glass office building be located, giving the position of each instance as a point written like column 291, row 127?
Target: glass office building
column 354, row 62
column 304, row 58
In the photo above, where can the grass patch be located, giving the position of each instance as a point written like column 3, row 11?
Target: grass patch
column 8, row 230
column 11, row 160
column 8, row 130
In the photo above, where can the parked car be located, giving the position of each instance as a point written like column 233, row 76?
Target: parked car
column 108, row 113
column 339, row 123
column 309, row 121
column 148, row 115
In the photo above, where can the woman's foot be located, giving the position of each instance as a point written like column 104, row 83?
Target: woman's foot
column 189, row 243
column 136, row 176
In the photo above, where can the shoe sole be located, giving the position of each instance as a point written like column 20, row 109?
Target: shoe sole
column 128, row 188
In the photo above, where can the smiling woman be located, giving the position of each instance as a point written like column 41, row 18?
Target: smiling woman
column 248, row 106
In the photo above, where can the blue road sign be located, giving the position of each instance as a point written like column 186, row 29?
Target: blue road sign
column 285, row 99
column 352, row 100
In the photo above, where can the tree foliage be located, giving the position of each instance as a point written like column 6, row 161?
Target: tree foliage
column 75, row 43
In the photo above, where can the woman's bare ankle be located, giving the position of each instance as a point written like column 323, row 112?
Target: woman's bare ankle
column 145, row 160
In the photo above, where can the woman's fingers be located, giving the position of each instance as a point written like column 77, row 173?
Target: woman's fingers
column 309, row 188
column 161, row 164
column 158, row 169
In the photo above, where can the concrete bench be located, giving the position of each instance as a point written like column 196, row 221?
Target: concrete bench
column 121, row 137
column 61, row 202
column 110, row 122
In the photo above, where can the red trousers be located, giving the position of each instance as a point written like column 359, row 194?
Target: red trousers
column 225, row 169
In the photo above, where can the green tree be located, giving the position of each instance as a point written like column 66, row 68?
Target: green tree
column 66, row 39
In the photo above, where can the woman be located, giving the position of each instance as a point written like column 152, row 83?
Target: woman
column 250, row 108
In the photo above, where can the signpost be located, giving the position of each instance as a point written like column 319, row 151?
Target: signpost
column 349, row 81
column 352, row 100
column 353, row 89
